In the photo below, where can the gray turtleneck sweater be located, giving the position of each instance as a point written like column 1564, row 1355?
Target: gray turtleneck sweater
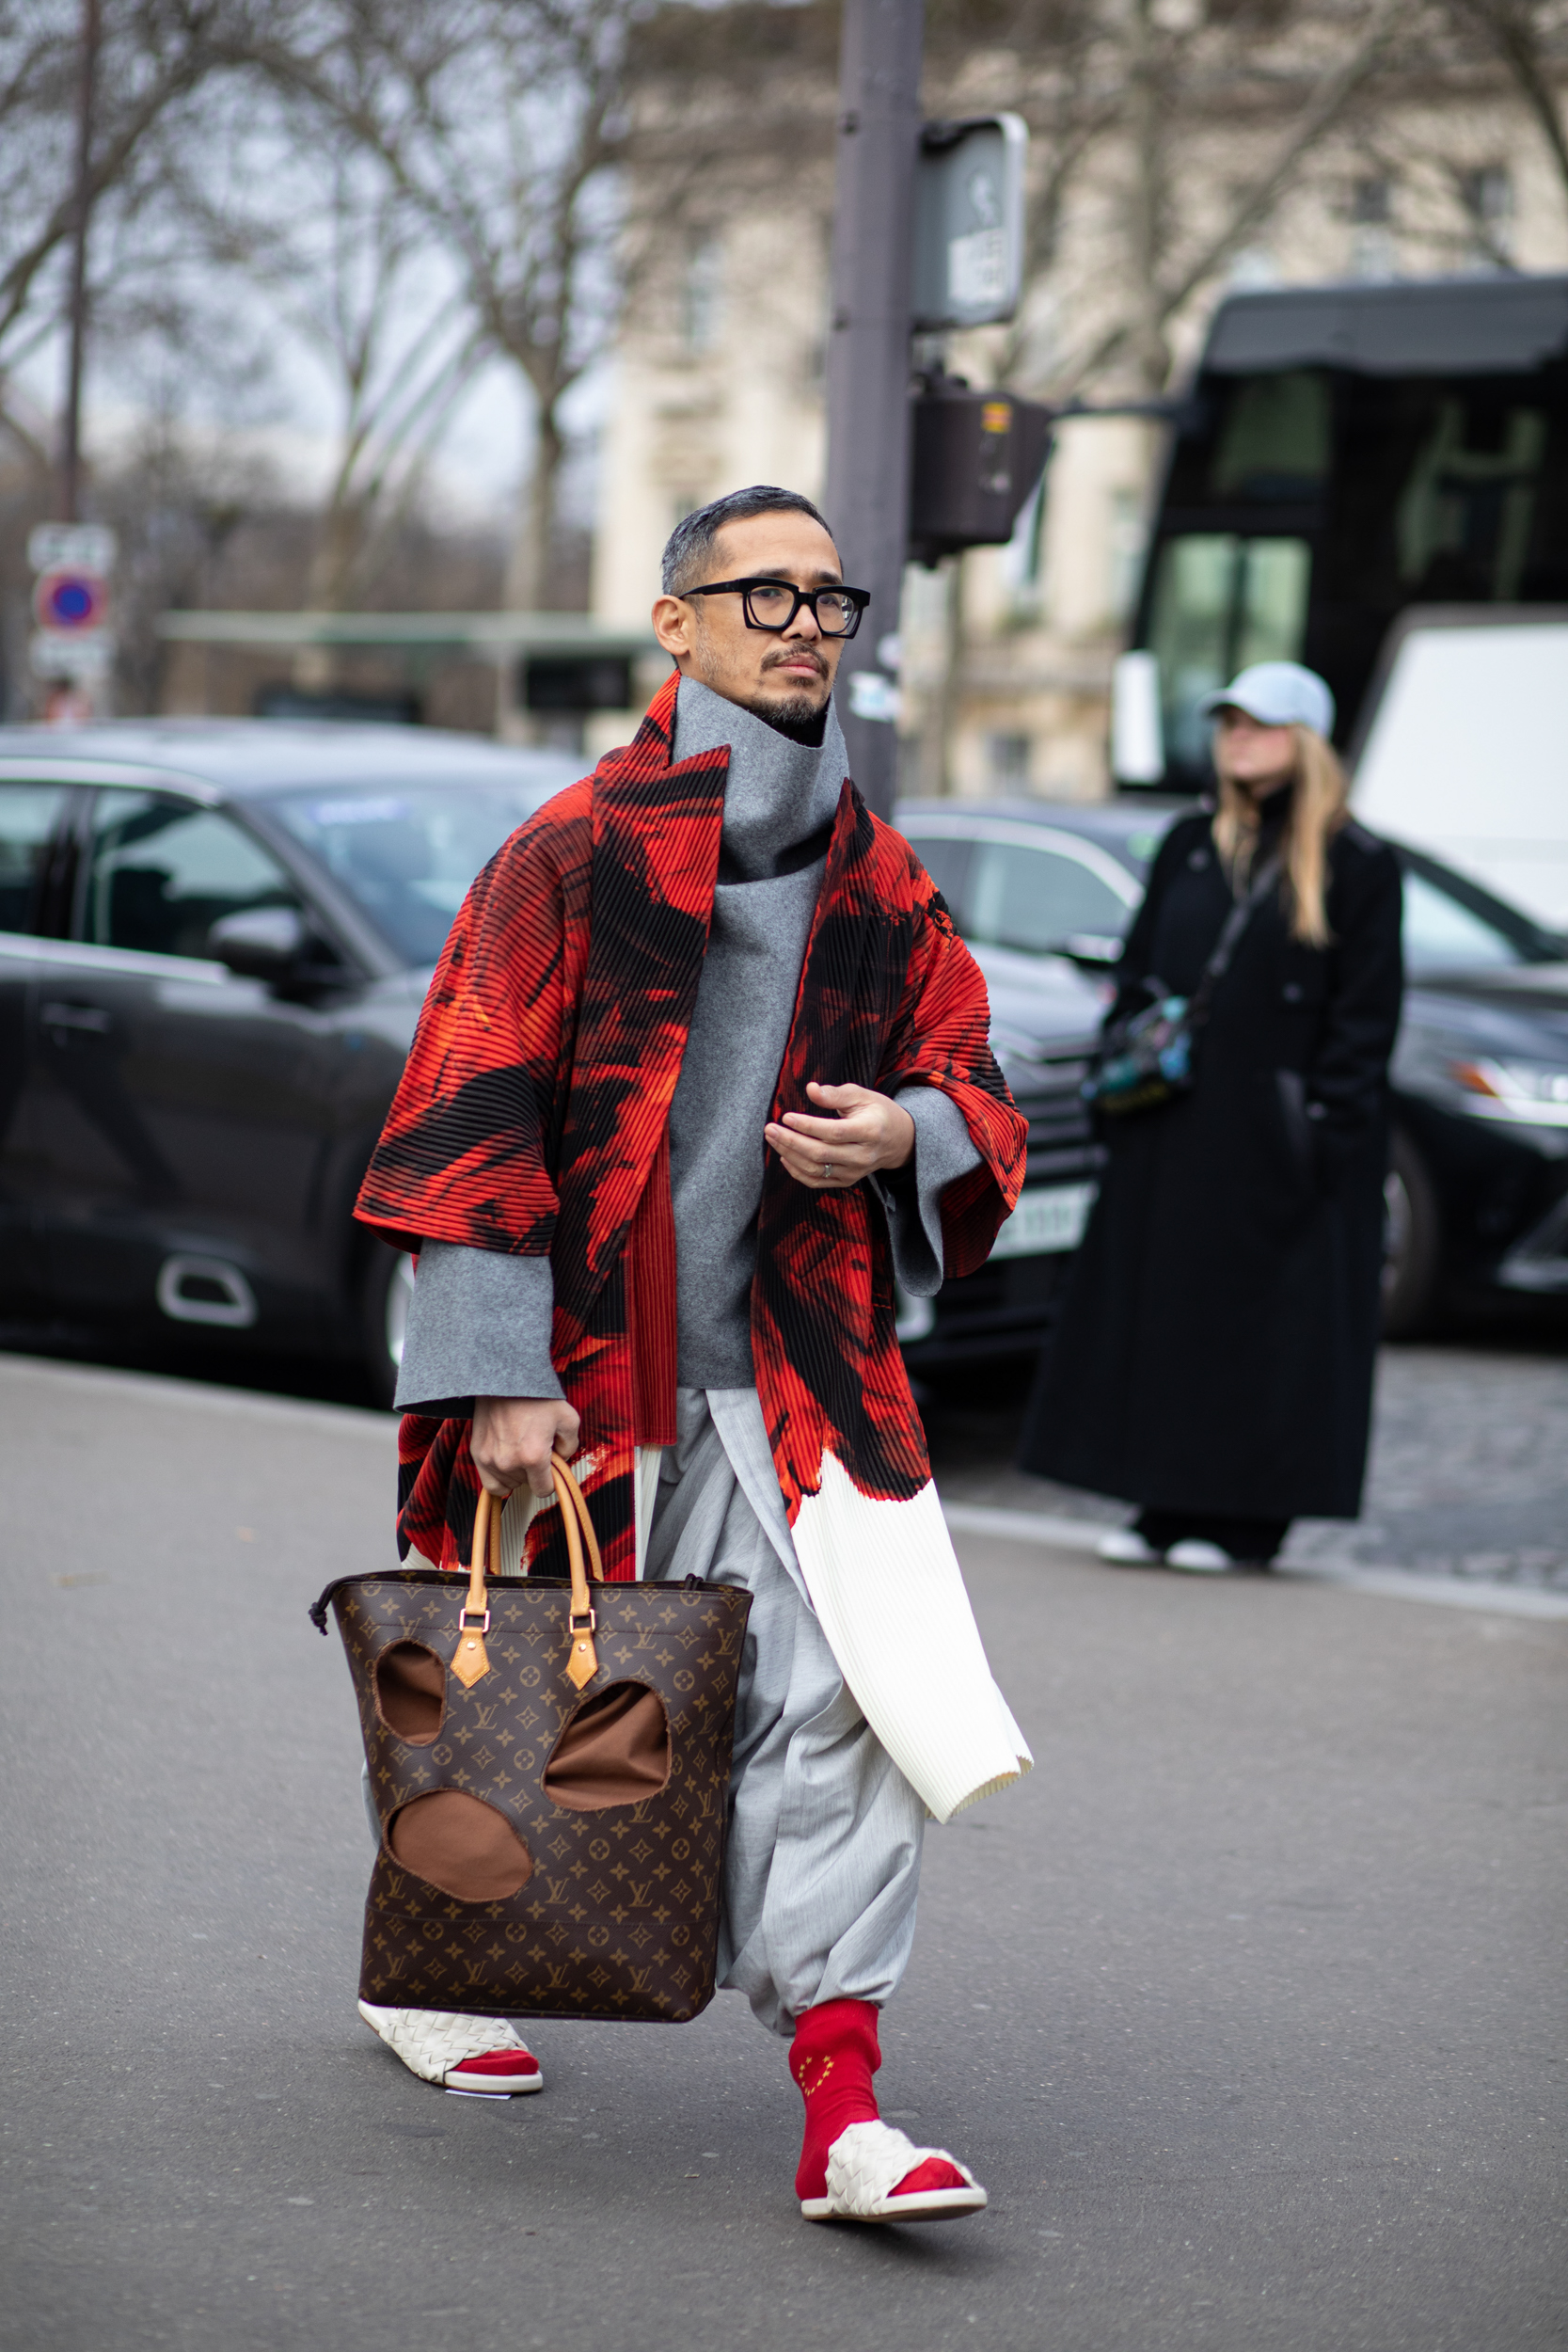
column 479, row 1323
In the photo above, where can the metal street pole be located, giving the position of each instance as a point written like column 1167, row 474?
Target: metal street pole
column 868, row 359
column 71, row 461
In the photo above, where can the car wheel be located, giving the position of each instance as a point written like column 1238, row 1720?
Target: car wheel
column 388, row 1288
column 1411, row 1243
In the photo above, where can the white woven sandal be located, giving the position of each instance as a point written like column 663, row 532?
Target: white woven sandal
column 439, row 2045
column 865, row 2164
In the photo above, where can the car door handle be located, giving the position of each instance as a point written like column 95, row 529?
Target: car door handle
column 90, row 1020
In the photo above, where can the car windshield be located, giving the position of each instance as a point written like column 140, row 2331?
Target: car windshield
column 1022, row 898
column 407, row 855
column 1453, row 925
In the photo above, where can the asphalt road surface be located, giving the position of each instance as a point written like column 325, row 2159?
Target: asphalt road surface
column 1247, row 2006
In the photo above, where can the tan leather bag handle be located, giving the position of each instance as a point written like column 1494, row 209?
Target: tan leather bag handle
column 582, row 1618
column 470, row 1660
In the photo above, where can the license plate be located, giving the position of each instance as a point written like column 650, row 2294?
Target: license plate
column 1052, row 1216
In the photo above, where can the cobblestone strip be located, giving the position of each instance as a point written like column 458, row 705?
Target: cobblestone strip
column 1467, row 1478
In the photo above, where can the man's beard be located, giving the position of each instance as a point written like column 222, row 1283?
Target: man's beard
column 797, row 712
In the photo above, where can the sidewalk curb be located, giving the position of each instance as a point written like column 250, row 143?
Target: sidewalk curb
column 1380, row 1582
column 201, row 1397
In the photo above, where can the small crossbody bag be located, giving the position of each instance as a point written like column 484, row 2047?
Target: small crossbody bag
column 1148, row 1057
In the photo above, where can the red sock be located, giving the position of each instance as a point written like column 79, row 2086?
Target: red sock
column 833, row 2057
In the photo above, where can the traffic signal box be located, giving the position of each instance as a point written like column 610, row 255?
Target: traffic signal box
column 974, row 459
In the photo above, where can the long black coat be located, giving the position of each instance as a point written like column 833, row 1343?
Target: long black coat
column 1215, row 1348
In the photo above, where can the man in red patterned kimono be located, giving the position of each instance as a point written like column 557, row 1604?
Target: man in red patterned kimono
column 703, row 1071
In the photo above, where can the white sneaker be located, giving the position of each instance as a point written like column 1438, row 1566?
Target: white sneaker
column 1199, row 1558
column 459, row 2052
column 1126, row 1548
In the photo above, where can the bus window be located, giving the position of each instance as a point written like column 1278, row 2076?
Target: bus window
column 1220, row 602
column 1271, row 617
column 1413, row 438
column 1463, row 522
column 1276, row 441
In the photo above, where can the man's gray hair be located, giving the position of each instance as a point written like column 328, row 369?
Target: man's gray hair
column 690, row 543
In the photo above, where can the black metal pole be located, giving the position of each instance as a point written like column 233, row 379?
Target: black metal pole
column 71, row 466
column 868, row 357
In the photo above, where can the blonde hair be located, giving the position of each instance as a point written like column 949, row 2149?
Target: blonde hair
column 1318, row 809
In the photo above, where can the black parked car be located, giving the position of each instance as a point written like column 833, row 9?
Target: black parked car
column 1478, row 1182
column 1042, row 898
column 214, row 939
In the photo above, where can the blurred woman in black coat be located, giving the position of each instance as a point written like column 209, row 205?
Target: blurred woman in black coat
column 1214, row 1360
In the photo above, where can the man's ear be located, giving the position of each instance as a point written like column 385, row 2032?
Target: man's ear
column 672, row 625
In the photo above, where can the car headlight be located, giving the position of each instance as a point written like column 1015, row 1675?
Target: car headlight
column 1528, row 1091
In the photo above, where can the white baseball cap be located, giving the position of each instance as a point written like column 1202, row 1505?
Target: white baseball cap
column 1276, row 694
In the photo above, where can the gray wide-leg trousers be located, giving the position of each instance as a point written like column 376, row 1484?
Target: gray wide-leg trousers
column 822, row 1860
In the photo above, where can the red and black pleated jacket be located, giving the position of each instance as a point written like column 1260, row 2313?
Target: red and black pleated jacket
column 533, row 1116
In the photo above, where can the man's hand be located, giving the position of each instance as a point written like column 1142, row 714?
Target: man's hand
column 514, row 1437
column 871, row 1131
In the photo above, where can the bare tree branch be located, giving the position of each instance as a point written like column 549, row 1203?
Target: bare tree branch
column 156, row 54
column 500, row 124
column 1253, row 203
column 345, row 262
column 1512, row 29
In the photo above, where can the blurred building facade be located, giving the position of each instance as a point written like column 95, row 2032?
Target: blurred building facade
column 1282, row 155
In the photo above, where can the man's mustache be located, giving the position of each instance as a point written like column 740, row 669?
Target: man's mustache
column 800, row 652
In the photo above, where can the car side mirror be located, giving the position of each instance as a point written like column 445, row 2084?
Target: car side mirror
column 260, row 943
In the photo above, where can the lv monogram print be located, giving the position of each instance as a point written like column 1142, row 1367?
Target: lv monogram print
column 619, row 1915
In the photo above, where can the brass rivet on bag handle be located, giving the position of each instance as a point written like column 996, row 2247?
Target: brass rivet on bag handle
column 471, row 1660
column 581, row 1618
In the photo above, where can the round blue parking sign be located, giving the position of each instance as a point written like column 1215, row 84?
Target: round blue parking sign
column 71, row 601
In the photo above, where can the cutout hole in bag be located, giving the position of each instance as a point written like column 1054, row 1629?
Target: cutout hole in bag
column 411, row 1692
column 461, row 1845
column 614, row 1750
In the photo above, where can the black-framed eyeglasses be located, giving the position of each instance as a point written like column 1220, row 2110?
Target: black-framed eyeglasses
column 773, row 604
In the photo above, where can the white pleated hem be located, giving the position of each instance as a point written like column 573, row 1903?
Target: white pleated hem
column 887, row 1588
column 889, row 1594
